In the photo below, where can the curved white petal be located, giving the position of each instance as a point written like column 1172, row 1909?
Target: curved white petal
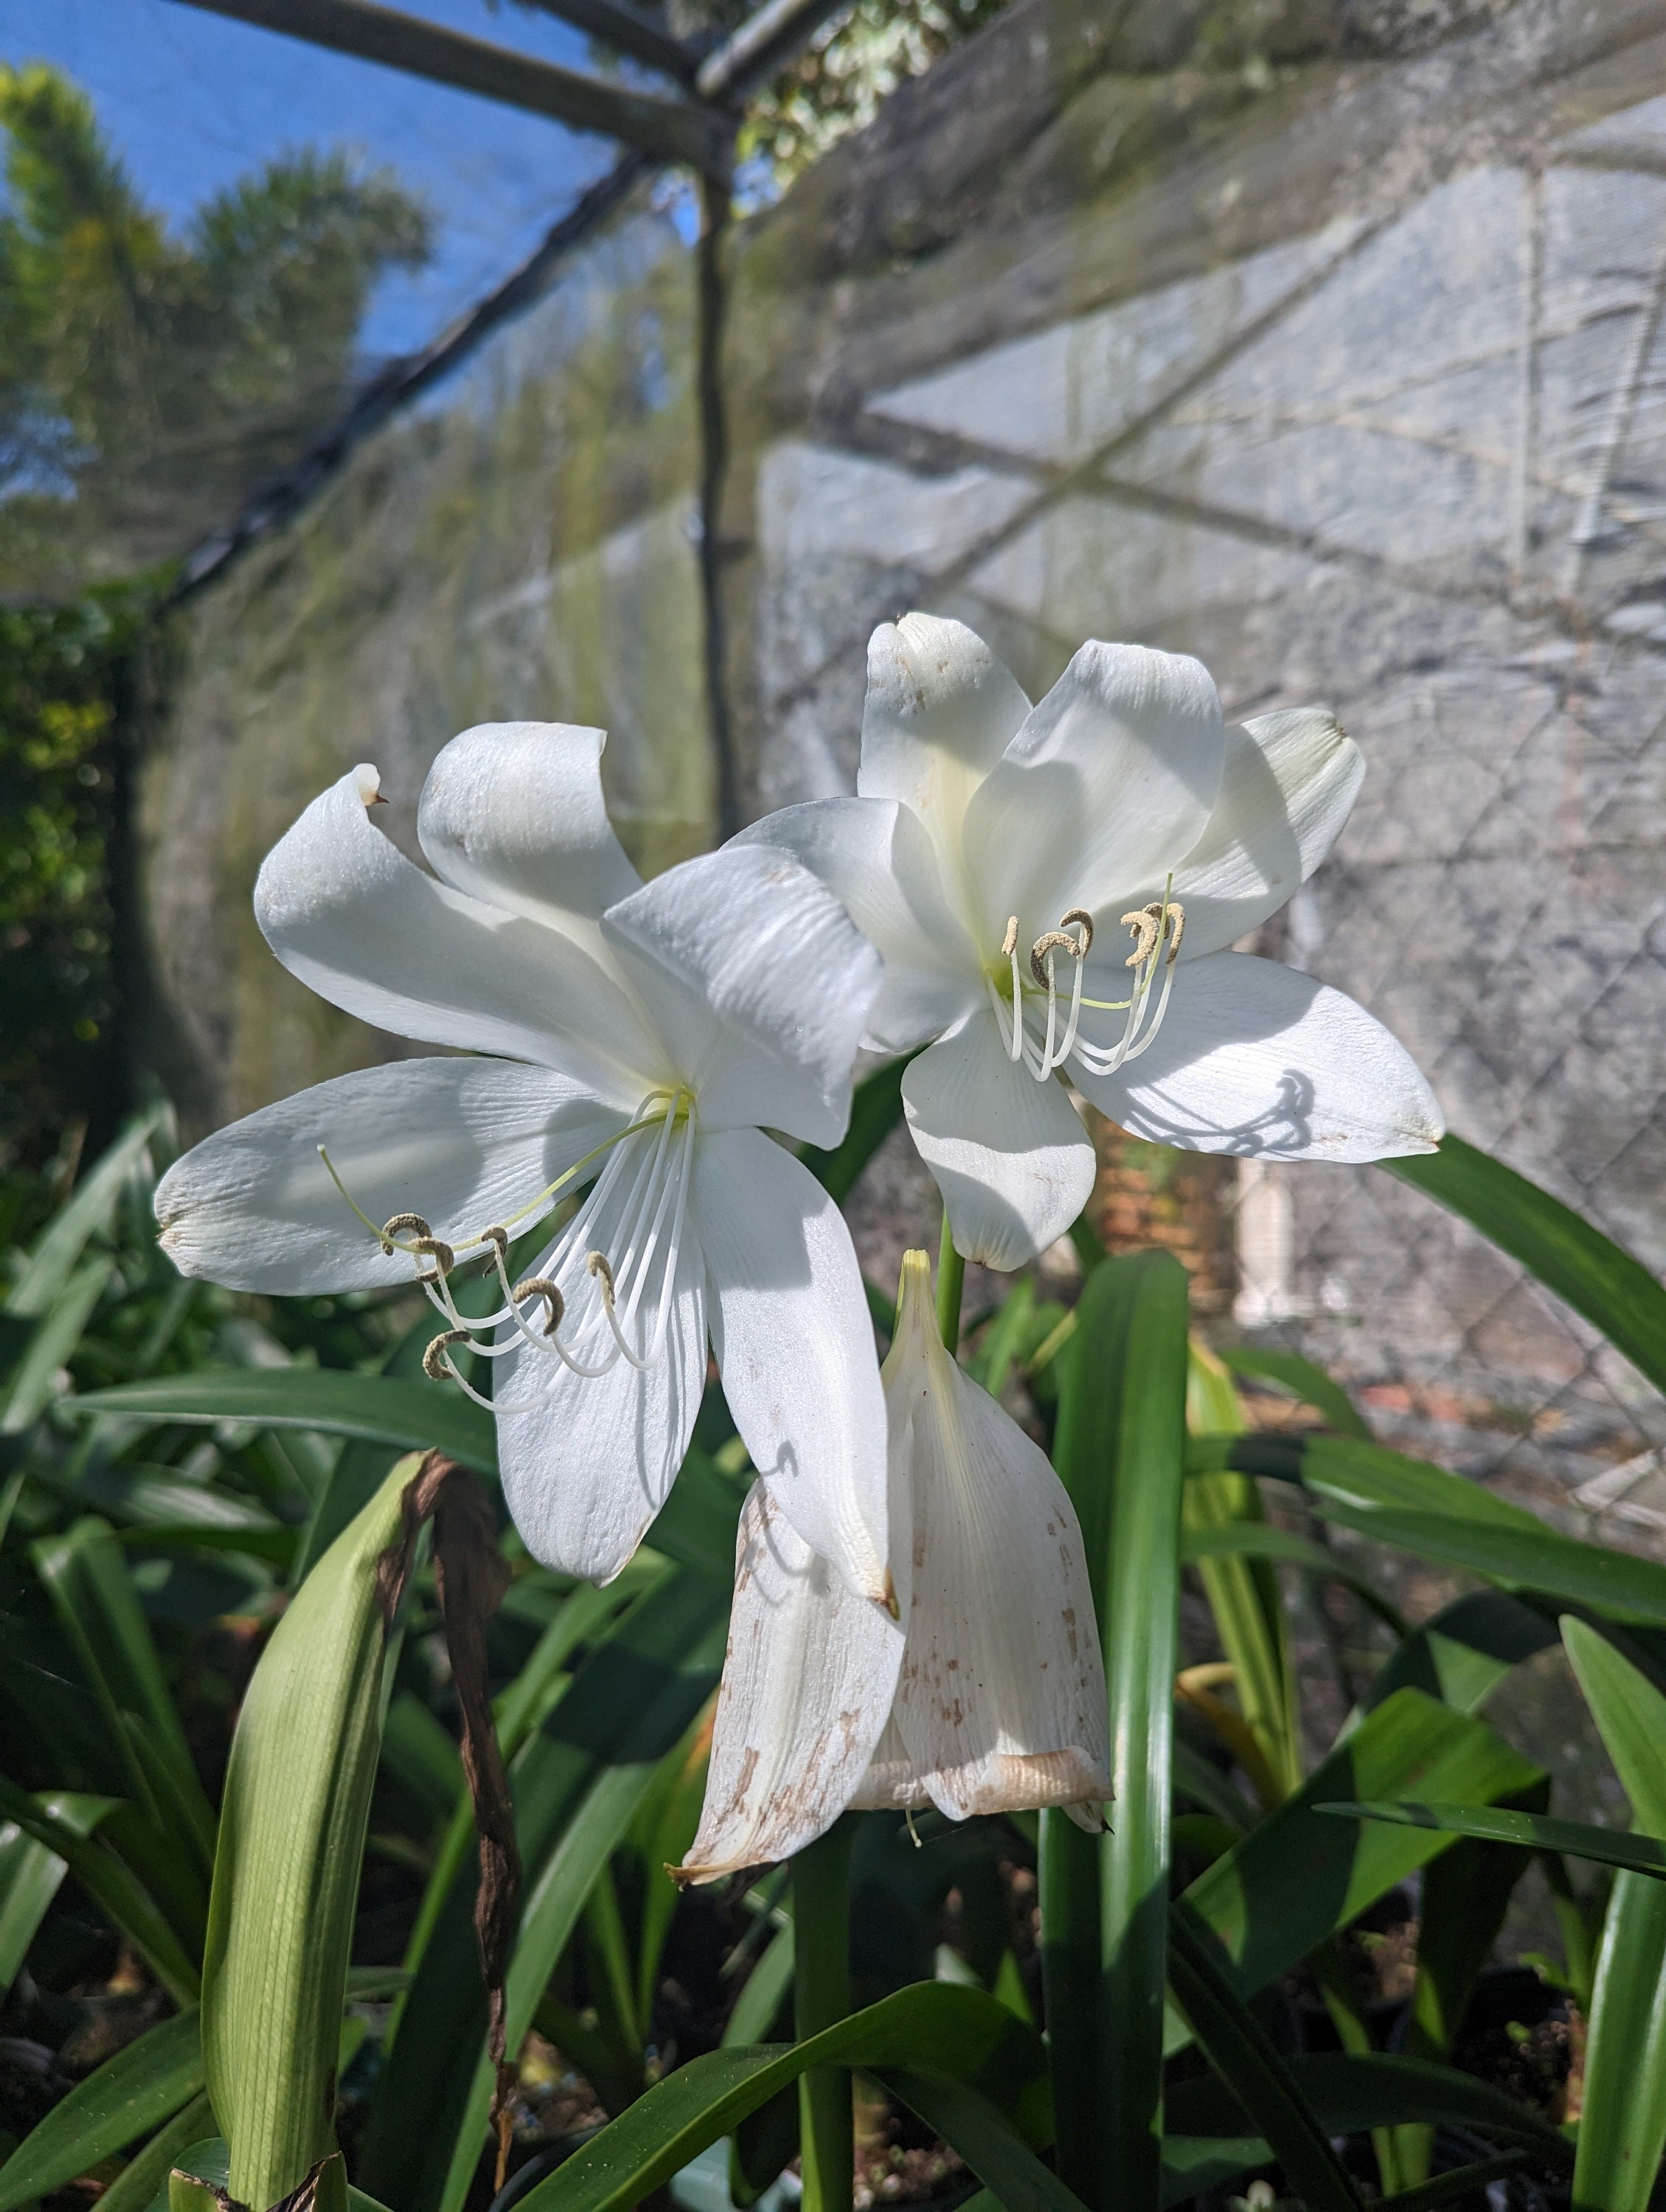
column 758, row 984
column 347, row 913
column 465, row 1143
column 1257, row 1060
column 795, row 1346
column 1000, row 1705
column 1288, row 786
column 807, row 1683
column 874, row 856
column 1106, row 787
column 940, row 713
column 512, row 813
column 586, row 1470
column 1010, row 1154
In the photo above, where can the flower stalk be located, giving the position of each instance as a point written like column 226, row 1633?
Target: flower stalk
column 821, row 1998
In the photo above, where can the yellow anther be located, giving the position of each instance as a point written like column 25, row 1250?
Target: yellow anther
column 436, row 1364
column 1144, row 924
column 1009, row 942
column 495, row 1236
column 1176, row 929
column 403, row 1224
column 540, row 1286
column 597, row 1262
column 1084, row 920
column 1055, row 940
column 434, row 1248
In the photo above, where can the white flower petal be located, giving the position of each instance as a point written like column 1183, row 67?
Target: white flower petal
column 1106, row 787
column 1254, row 1059
column 758, row 983
column 1010, row 1154
column 1000, row 1705
column 940, row 713
column 347, row 913
column 1288, row 786
column 465, row 1143
column 513, row 814
column 874, row 856
column 795, row 1346
column 586, row 1470
column 807, row 1684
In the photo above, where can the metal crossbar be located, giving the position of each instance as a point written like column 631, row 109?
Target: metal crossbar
column 670, row 130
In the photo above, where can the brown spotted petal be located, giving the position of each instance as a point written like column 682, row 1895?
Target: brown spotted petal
column 808, row 1680
column 1000, row 1704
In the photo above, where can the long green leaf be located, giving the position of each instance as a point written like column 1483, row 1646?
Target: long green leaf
column 1597, row 1278
column 1120, row 1449
column 383, row 1409
column 1622, row 2130
column 632, row 1700
column 971, row 2124
column 1302, row 1380
column 1299, row 1875
column 110, row 1882
column 970, row 2036
column 286, row 1875
column 1241, row 2052
column 138, row 2089
column 1463, row 1652
column 53, row 1257
column 1416, row 1507
column 1533, row 1831
column 34, row 1379
column 29, row 1878
column 1251, row 1539
column 144, row 2178
column 1352, row 2094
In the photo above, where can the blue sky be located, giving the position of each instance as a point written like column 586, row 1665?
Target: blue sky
column 190, row 100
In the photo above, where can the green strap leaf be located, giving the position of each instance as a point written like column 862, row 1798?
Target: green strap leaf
column 1258, row 1539
column 34, row 1378
column 971, row 2037
column 29, row 1878
column 1299, row 1875
column 971, row 2124
column 53, row 1257
column 1311, row 1384
column 144, row 2178
column 1533, row 1831
column 1241, row 2052
column 1630, row 1715
column 1351, row 2095
column 138, row 2089
column 292, row 1826
column 110, row 1882
column 383, row 1409
column 1120, row 1451
column 1463, row 1652
column 1597, row 1277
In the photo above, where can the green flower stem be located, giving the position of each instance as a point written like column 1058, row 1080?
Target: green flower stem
column 821, row 1996
column 951, row 1282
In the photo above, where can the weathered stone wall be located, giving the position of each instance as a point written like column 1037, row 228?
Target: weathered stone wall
column 1320, row 338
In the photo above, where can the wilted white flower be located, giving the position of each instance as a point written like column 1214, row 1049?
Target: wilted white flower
column 1054, row 889
column 988, row 1694
column 643, row 1034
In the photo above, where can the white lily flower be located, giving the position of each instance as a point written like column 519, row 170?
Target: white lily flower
column 648, row 1033
column 1004, row 857
column 988, row 1694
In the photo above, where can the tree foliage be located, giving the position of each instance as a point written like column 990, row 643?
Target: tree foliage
column 149, row 381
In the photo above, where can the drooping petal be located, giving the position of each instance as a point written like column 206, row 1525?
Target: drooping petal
column 807, row 1684
column 795, row 1346
column 463, row 1142
column 1010, row 1154
column 1254, row 1059
column 758, row 984
column 347, row 913
column 586, row 1469
column 1106, row 789
column 940, row 713
column 1288, row 786
column 513, row 814
column 1000, row 1704
column 876, row 857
